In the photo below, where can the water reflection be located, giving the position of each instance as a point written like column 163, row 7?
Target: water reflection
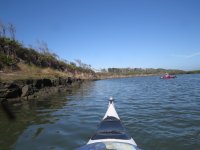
column 34, row 119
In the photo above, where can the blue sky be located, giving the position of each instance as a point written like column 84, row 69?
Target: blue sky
column 112, row 33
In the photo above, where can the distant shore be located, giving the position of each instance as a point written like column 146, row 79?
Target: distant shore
column 111, row 75
column 17, row 89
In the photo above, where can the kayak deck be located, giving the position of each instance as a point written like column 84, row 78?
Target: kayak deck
column 111, row 128
column 111, row 133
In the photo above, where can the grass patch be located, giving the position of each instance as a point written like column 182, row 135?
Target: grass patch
column 32, row 72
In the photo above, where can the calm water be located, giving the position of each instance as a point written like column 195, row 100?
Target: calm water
column 159, row 114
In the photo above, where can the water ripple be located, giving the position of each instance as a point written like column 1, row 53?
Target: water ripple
column 158, row 114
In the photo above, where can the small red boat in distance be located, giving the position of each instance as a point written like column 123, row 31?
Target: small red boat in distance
column 167, row 76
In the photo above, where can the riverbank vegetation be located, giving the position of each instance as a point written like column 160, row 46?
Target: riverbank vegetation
column 18, row 61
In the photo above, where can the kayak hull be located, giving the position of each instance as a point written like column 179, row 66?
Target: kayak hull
column 111, row 134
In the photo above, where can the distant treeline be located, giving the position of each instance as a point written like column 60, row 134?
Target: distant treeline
column 140, row 71
column 193, row 72
column 145, row 71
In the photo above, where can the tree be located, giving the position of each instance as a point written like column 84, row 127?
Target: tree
column 2, row 30
column 66, row 61
column 55, row 56
column 43, row 47
column 82, row 65
column 78, row 61
column 103, row 70
column 12, row 30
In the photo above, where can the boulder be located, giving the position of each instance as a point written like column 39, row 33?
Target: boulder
column 69, row 81
column 29, row 81
column 13, row 93
column 3, row 93
column 25, row 91
column 62, row 81
column 20, row 83
column 12, row 85
column 38, row 84
column 47, row 82
column 55, row 82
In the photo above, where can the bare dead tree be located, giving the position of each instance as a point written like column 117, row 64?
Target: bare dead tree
column 43, row 47
column 12, row 30
column 79, row 62
column 66, row 61
column 2, row 30
column 82, row 65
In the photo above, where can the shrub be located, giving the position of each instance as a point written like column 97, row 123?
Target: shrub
column 7, row 60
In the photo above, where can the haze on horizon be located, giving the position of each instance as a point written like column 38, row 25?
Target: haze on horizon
column 112, row 33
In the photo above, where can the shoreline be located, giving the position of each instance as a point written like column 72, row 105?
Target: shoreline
column 19, row 90
column 26, row 89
